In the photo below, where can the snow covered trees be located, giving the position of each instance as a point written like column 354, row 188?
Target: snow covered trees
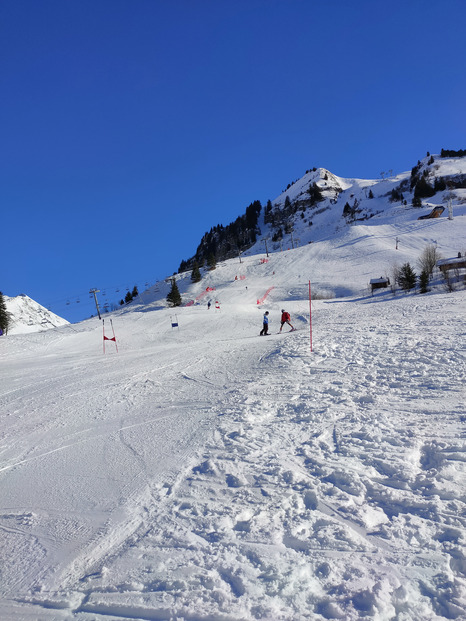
column 4, row 315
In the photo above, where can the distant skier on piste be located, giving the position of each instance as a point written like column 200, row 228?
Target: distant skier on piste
column 265, row 325
column 285, row 319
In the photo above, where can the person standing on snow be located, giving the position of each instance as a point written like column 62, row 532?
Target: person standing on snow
column 265, row 325
column 285, row 319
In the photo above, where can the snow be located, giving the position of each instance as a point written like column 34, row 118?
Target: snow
column 29, row 316
column 206, row 473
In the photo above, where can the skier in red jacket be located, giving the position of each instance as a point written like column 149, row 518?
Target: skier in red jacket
column 285, row 319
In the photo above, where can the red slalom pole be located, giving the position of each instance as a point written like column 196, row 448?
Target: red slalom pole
column 310, row 313
column 109, row 338
column 114, row 337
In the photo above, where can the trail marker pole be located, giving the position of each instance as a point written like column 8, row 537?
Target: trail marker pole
column 310, row 313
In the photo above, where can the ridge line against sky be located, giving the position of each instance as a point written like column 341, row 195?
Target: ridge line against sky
column 131, row 128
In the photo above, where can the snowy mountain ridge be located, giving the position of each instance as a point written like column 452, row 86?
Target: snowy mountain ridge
column 367, row 198
column 320, row 242
column 30, row 316
column 321, row 204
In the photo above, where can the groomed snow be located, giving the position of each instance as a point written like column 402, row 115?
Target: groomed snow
column 206, row 473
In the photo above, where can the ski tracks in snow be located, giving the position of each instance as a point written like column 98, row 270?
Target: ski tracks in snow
column 319, row 485
column 324, row 489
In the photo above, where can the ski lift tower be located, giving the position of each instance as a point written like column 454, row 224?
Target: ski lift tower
column 95, row 292
column 266, row 249
column 450, row 208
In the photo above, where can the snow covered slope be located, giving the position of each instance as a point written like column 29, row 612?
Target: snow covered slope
column 29, row 316
column 369, row 200
column 206, row 473
column 321, row 206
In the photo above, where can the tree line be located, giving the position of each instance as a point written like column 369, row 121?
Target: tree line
column 225, row 242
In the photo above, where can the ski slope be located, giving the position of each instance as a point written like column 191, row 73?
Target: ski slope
column 206, row 473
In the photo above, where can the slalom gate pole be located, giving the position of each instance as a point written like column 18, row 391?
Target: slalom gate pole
column 109, row 338
column 114, row 337
column 310, row 313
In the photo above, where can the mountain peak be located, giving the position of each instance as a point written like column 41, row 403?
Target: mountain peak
column 29, row 316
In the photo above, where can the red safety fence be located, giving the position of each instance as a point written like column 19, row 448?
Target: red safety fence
column 200, row 296
column 262, row 300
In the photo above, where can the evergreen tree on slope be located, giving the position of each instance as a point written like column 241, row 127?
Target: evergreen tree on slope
column 4, row 315
column 196, row 273
column 407, row 277
column 174, row 296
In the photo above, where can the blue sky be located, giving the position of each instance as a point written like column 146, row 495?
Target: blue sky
column 131, row 127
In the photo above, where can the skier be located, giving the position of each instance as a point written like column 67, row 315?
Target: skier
column 265, row 325
column 208, row 305
column 285, row 319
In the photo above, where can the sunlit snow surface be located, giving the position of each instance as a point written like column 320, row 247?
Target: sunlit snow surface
column 206, row 473
column 28, row 316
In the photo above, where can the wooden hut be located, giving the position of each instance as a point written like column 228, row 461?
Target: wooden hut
column 456, row 263
column 379, row 283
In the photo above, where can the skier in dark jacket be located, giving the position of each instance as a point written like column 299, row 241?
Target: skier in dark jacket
column 285, row 319
column 265, row 325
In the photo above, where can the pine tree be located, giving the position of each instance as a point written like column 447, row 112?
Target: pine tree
column 287, row 208
column 135, row 292
column 211, row 261
column 347, row 211
column 423, row 189
column 128, row 297
column 423, row 281
column 196, row 273
column 371, row 194
column 268, row 212
column 4, row 315
column 183, row 266
column 407, row 277
column 174, row 297
column 315, row 193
